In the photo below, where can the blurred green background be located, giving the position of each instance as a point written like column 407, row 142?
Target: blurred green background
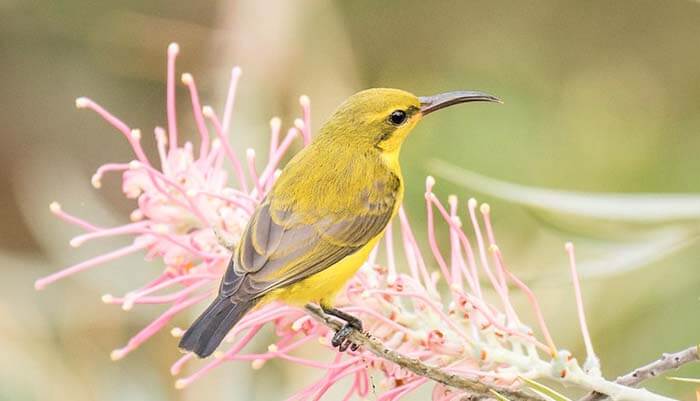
column 600, row 97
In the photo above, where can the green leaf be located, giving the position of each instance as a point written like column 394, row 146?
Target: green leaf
column 544, row 390
column 498, row 395
column 684, row 379
column 618, row 258
column 646, row 208
column 669, row 221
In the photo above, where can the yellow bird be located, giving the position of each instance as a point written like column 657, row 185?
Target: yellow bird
column 324, row 214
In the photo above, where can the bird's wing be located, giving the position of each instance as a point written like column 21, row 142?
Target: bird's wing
column 282, row 246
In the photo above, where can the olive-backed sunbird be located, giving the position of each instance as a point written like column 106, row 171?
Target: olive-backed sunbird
column 323, row 215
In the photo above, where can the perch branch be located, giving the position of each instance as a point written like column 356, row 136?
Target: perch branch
column 664, row 364
column 477, row 391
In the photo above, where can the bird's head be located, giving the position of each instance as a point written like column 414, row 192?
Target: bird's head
column 381, row 118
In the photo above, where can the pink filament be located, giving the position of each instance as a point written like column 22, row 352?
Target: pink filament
column 579, row 301
column 69, row 218
column 153, row 327
column 456, row 261
column 410, row 245
column 231, row 98
column 272, row 164
column 181, row 383
column 398, row 392
column 274, row 136
column 229, row 151
column 533, row 301
column 110, row 167
column 492, row 241
column 90, row 263
column 177, row 366
column 473, row 273
column 390, row 258
column 132, row 228
column 194, row 278
column 161, row 143
column 431, row 232
column 198, row 117
column 500, row 288
column 306, row 112
column 173, row 50
column 191, row 206
column 254, row 174
column 162, row 299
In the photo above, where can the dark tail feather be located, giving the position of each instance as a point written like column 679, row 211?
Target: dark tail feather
column 210, row 328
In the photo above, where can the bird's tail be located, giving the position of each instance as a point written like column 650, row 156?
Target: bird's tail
column 210, row 328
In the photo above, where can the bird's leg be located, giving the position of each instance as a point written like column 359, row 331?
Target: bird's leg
column 340, row 339
column 223, row 241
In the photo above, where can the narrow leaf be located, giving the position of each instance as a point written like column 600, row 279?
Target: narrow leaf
column 633, row 208
column 544, row 390
column 684, row 379
column 498, row 395
column 625, row 257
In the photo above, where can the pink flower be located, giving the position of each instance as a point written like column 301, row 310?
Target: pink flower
column 180, row 200
column 439, row 316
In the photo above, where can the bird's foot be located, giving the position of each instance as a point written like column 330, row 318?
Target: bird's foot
column 340, row 338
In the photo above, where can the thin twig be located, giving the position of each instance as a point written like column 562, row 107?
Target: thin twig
column 477, row 391
column 664, row 364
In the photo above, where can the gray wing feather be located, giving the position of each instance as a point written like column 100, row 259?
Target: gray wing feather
column 278, row 250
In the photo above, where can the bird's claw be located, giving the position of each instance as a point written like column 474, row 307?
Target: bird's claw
column 340, row 338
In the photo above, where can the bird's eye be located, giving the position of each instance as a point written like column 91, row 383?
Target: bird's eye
column 397, row 117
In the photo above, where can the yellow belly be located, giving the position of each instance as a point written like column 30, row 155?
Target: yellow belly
column 322, row 287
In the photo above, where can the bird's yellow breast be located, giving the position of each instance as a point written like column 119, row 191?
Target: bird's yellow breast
column 322, row 287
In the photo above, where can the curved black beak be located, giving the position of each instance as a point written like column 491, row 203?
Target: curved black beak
column 429, row 104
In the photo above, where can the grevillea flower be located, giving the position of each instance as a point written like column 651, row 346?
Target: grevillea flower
column 187, row 205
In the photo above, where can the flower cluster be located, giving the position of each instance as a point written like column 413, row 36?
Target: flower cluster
column 187, row 207
column 184, row 203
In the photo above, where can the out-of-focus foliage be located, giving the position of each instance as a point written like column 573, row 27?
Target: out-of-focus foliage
column 600, row 97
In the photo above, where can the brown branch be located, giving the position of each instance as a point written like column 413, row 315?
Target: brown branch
column 664, row 364
column 476, row 390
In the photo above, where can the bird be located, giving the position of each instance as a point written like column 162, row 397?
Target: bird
column 323, row 215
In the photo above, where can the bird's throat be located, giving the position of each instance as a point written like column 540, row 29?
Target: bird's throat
column 391, row 160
